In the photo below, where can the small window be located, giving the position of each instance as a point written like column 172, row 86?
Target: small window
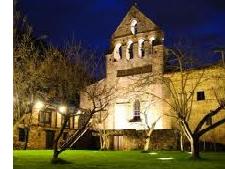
column 118, row 51
column 142, row 52
column 133, row 26
column 141, row 48
column 131, row 51
column 45, row 117
column 136, row 115
column 200, row 96
column 22, row 134
column 209, row 121
column 42, row 117
column 156, row 42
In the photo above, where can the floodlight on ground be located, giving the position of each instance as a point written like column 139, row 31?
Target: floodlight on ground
column 169, row 158
column 152, row 153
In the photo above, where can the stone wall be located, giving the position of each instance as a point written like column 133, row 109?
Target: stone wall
column 37, row 137
column 212, row 79
column 161, row 139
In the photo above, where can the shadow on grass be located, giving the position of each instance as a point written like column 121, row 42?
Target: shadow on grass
column 60, row 161
column 198, row 159
column 143, row 151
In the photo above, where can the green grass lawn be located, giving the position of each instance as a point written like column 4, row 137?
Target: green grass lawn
column 40, row 159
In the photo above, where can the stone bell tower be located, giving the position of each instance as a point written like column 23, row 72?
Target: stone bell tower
column 136, row 46
column 136, row 49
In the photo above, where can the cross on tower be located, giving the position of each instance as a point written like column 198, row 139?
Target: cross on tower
column 135, row 3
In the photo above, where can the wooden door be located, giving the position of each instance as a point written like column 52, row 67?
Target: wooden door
column 50, row 139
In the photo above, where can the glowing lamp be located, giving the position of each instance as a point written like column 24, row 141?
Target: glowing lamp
column 39, row 105
column 62, row 109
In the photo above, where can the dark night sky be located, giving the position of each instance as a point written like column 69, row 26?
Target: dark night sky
column 93, row 21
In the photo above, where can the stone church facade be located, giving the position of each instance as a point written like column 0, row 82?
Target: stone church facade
column 136, row 55
column 137, row 52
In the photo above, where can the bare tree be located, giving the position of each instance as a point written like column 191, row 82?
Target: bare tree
column 148, row 133
column 65, row 75
column 98, row 99
column 182, row 103
column 26, row 59
column 181, row 84
column 99, row 124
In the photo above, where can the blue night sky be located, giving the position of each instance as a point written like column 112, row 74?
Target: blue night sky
column 202, row 22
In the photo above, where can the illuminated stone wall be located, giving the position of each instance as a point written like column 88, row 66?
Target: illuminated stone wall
column 212, row 80
column 126, row 73
column 162, row 139
column 37, row 130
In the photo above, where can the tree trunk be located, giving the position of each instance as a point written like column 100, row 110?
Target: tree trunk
column 148, row 140
column 104, row 141
column 195, row 148
column 181, row 142
column 101, row 140
column 55, row 146
column 55, row 156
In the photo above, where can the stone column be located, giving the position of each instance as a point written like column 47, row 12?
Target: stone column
column 135, row 50
column 123, row 52
column 147, row 48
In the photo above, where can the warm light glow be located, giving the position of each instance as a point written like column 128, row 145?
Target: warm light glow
column 121, row 121
column 153, row 153
column 79, row 112
column 62, row 109
column 39, row 105
column 169, row 158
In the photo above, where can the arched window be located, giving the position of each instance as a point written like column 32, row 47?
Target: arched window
column 133, row 26
column 141, row 51
column 118, row 51
column 136, row 113
column 129, row 50
column 154, row 41
column 151, row 41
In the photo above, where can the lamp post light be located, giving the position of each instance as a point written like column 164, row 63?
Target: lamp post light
column 63, row 110
column 39, row 105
